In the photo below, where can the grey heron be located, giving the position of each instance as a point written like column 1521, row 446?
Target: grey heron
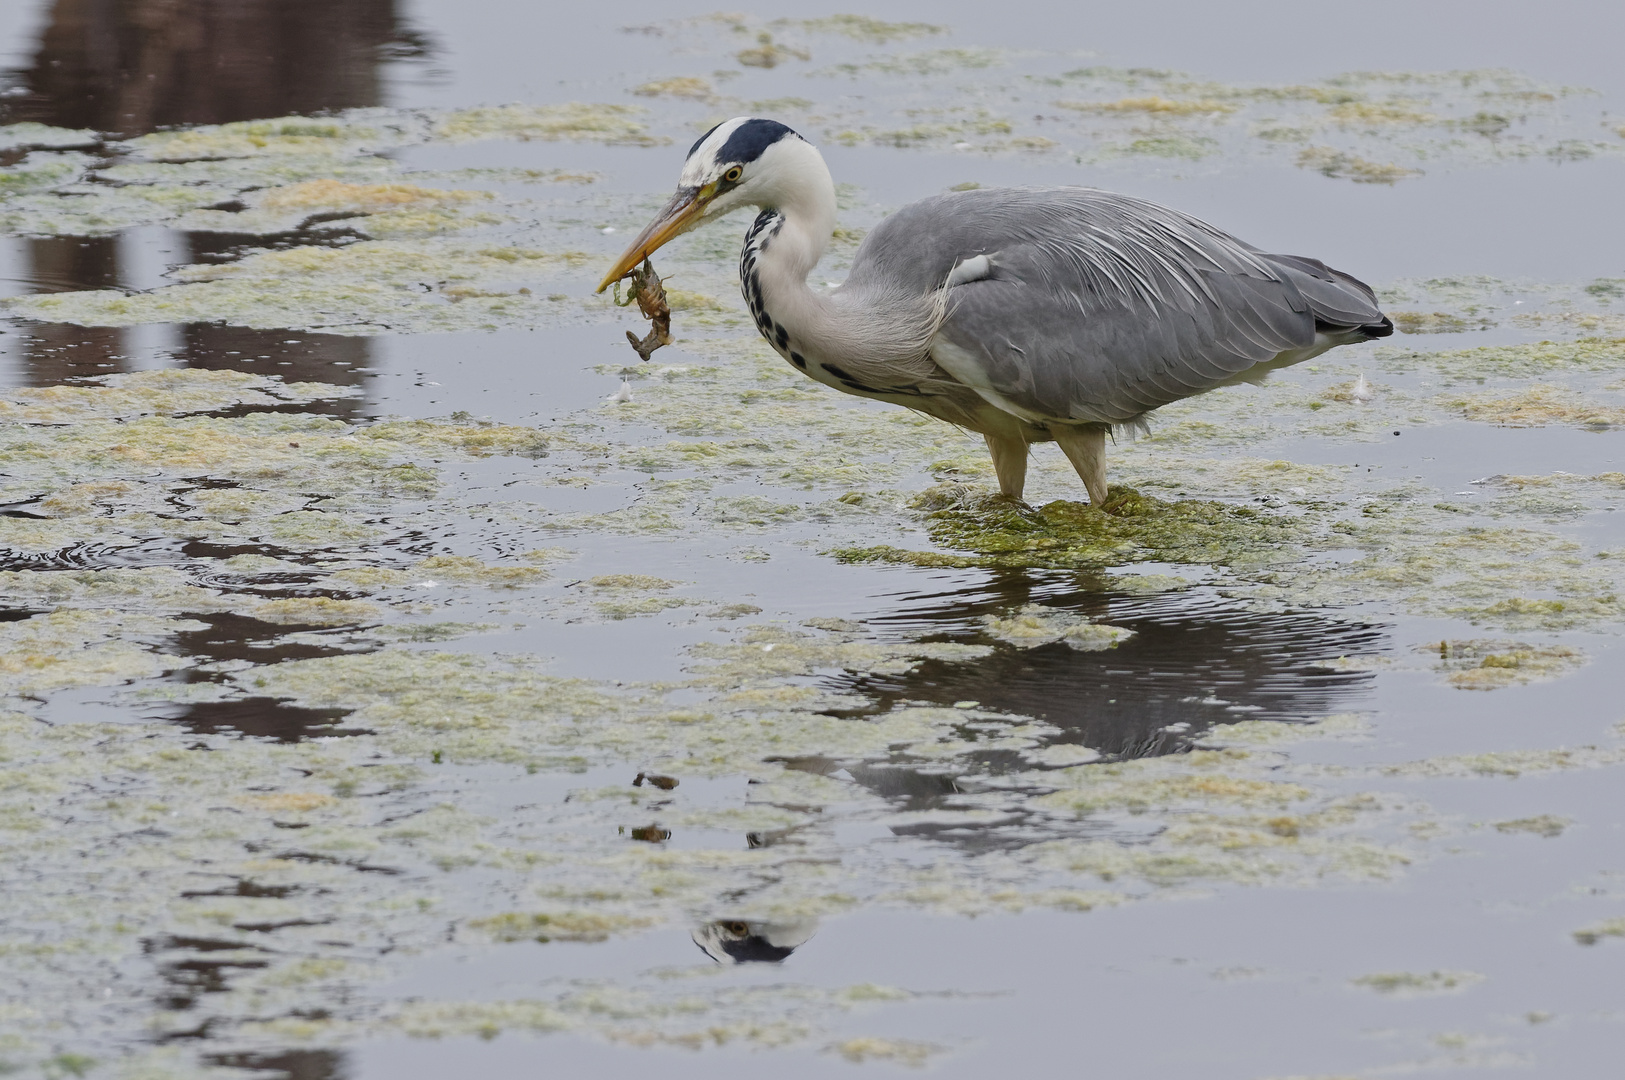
column 1024, row 314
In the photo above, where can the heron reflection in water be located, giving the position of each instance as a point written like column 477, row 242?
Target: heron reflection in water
column 740, row 941
column 1025, row 314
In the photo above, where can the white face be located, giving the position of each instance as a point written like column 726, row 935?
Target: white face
column 736, row 182
column 702, row 165
column 747, row 161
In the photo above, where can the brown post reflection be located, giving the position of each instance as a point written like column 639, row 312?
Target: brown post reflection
column 289, row 1064
column 130, row 66
column 127, row 67
column 293, row 355
column 55, row 351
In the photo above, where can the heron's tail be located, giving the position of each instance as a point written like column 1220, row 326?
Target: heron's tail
column 1342, row 304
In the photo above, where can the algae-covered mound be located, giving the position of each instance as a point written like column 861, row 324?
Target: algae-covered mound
column 1129, row 527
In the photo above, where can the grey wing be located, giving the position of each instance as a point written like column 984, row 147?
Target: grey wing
column 1093, row 306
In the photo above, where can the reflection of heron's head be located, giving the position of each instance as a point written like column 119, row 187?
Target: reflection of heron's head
column 738, row 941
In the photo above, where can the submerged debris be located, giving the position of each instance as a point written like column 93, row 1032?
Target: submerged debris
column 664, row 783
column 651, row 298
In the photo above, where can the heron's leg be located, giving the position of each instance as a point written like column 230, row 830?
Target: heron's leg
column 1085, row 448
column 1009, row 461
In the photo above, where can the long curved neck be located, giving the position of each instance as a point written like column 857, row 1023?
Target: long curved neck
column 864, row 333
column 788, row 239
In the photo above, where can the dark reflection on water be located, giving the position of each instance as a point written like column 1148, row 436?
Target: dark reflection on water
column 229, row 636
column 48, row 354
column 133, row 66
column 190, row 970
column 244, row 887
column 55, row 351
column 287, row 1064
column 261, row 717
column 64, row 263
column 740, row 941
column 1195, row 660
column 294, row 356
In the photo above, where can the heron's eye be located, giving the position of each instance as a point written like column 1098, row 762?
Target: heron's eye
column 733, row 174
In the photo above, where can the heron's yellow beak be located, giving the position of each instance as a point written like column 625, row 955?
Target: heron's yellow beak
column 677, row 217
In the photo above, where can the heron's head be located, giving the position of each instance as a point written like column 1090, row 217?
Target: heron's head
column 746, row 161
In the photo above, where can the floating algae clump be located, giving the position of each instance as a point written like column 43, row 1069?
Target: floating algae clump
column 1414, row 984
column 366, row 198
column 1129, row 527
column 291, row 135
column 43, row 136
column 360, row 288
column 1340, row 165
column 556, row 926
column 395, row 208
column 898, row 1051
column 1490, row 665
column 1539, row 406
column 1511, row 763
column 1436, row 322
column 1378, row 114
column 683, row 86
column 39, row 171
column 1547, row 825
column 1155, row 105
column 1591, row 935
column 865, row 28
column 934, row 62
column 1138, row 789
column 1036, row 625
column 160, row 391
column 1515, row 361
column 70, row 648
column 621, row 596
column 1191, row 147
column 574, row 120
column 469, row 570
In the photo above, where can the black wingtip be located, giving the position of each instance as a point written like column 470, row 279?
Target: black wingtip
column 1379, row 329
